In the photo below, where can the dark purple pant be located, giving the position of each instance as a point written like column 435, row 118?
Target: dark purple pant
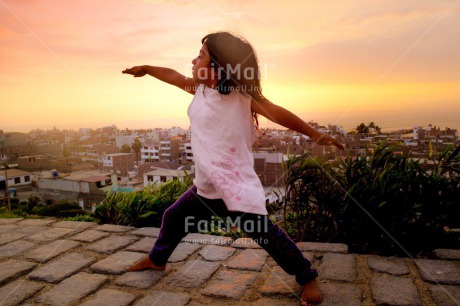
column 180, row 218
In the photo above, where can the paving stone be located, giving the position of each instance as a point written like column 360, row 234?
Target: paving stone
column 338, row 267
column 141, row 279
column 229, row 284
column 439, row 271
column 89, row 236
column 10, row 221
column 245, row 243
column 51, row 234
column 8, row 228
column 14, row 268
column 147, row 231
column 9, row 237
column 445, row 295
column 51, row 250
column 253, row 260
column 31, row 230
column 280, row 283
column 183, row 251
column 73, row 289
column 309, row 255
column 207, row 239
column 62, row 268
column 194, row 273
column 392, row 290
column 117, row 263
column 158, row 297
column 16, row 292
column 75, row 225
column 216, row 253
column 36, row 222
column 323, row 247
column 111, row 244
column 341, row 294
column 193, row 303
column 447, row 254
column 273, row 302
column 15, row 248
column 114, row 228
column 110, row 297
column 391, row 265
column 143, row 245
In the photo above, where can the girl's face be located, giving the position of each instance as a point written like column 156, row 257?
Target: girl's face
column 202, row 71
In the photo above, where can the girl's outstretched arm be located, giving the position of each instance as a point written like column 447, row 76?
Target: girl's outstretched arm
column 287, row 119
column 167, row 75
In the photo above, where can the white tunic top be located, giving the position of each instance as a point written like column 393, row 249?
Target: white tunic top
column 222, row 135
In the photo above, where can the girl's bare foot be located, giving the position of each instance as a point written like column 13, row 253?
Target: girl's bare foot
column 311, row 294
column 145, row 264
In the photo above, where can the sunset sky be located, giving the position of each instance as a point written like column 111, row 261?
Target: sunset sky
column 393, row 62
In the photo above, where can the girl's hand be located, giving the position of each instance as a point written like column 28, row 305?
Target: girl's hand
column 326, row 140
column 136, row 71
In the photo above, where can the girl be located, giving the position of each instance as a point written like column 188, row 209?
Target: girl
column 223, row 119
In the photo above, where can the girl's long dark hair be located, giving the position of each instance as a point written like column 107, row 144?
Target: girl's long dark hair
column 236, row 64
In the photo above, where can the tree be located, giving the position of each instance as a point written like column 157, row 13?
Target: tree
column 136, row 146
column 362, row 129
column 125, row 149
column 66, row 153
column 374, row 129
column 371, row 128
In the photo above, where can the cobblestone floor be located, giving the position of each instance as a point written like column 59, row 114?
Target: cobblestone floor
column 51, row 262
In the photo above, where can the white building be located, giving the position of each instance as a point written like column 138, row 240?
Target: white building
column 150, row 152
column 90, row 154
column 165, row 149
column 121, row 140
column 163, row 175
column 188, row 135
column 189, row 152
column 16, row 178
column 176, row 131
column 78, row 182
column 153, row 135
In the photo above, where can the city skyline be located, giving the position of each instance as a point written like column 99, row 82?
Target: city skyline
column 321, row 125
column 394, row 63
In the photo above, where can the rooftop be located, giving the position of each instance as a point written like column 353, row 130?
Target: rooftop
column 169, row 172
column 13, row 173
column 54, row 262
column 77, row 175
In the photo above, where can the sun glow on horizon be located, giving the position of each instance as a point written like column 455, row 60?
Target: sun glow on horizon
column 333, row 61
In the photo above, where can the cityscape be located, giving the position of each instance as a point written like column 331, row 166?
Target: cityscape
column 82, row 166
column 95, row 148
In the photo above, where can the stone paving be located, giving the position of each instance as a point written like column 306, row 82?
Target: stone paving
column 52, row 262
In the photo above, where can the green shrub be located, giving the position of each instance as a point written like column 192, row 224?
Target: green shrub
column 4, row 213
column 310, row 206
column 394, row 206
column 140, row 208
column 83, row 218
column 62, row 209
column 32, row 201
column 378, row 202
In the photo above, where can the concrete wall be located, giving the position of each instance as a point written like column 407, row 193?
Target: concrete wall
column 64, row 185
column 60, row 195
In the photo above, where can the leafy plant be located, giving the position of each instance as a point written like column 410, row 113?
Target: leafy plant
column 32, row 201
column 377, row 201
column 140, row 208
column 4, row 213
column 83, row 218
column 310, row 206
column 61, row 209
column 391, row 201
